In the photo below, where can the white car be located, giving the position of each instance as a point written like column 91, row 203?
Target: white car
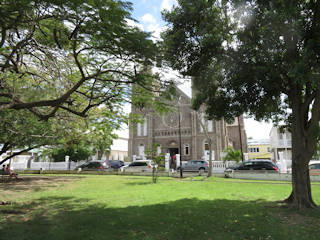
column 138, row 166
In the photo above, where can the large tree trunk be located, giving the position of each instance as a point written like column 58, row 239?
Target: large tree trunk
column 303, row 147
column 301, row 188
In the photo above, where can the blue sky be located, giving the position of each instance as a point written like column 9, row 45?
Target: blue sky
column 143, row 7
column 148, row 13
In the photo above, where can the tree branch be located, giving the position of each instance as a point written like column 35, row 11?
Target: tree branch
column 18, row 153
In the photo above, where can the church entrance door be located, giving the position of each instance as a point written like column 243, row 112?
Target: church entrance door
column 173, row 152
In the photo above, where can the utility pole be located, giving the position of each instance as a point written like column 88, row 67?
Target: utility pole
column 240, row 139
column 180, row 148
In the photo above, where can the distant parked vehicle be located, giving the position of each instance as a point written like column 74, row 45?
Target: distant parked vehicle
column 195, row 166
column 253, row 165
column 314, row 168
column 92, row 166
column 138, row 166
column 115, row 164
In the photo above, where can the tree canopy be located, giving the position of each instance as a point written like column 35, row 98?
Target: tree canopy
column 70, row 55
column 258, row 57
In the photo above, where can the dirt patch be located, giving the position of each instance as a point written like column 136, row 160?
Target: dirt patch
column 33, row 183
column 297, row 219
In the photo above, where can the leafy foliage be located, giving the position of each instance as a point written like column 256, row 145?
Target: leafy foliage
column 71, row 56
column 76, row 153
column 232, row 155
column 158, row 159
column 258, row 57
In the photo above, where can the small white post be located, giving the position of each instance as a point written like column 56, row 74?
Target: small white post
column 283, row 163
column 167, row 160
column 177, row 160
column 66, row 158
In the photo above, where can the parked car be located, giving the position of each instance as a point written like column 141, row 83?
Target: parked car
column 138, row 166
column 195, row 166
column 314, row 168
column 253, row 165
column 115, row 164
column 92, row 166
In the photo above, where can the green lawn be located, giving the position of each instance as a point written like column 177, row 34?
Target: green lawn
column 127, row 207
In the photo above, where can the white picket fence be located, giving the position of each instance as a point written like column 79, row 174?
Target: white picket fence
column 217, row 166
column 46, row 165
column 220, row 166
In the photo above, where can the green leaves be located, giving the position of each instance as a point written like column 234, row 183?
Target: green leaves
column 71, row 56
column 232, row 155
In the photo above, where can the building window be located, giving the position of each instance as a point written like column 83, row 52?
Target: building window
column 203, row 122
column 254, row 150
column 142, row 128
column 138, row 129
column 206, row 146
column 145, row 127
column 186, row 149
column 207, row 123
column 210, row 124
column 141, row 150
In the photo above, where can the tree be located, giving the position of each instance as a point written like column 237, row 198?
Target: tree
column 22, row 130
column 209, row 139
column 65, row 134
column 232, row 155
column 158, row 159
column 70, row 55
column 83, row 137
column 258, row 57
column 76, row 153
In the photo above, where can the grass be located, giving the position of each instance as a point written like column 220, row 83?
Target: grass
column 127, row 207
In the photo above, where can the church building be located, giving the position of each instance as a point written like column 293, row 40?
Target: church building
column 181, row 128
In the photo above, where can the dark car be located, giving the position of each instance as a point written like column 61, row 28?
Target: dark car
column 253, row 165
column 115, row 164
column 92, row 166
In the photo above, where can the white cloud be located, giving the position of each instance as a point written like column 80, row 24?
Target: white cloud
column 257, row 130
column 135, row 24
column 148, row 18
column 155, row 29
column 168, row 4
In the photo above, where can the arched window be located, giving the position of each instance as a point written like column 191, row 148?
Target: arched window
column 206, row 145
column 145, row 127
column 141, row 150
column 138, row 129
column 142, row 128
column 186, row 149
column 210, row 125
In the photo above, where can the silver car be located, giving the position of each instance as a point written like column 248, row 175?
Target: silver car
column 138, row 166
column 195, row 166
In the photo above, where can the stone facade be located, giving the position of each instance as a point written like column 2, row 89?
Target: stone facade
column 164, row 130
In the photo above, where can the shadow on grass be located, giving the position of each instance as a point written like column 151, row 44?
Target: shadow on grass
column 73, row 218
column 35, row 183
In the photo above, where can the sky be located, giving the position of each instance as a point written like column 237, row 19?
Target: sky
column 148, row 15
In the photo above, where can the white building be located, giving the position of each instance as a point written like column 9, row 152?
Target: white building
column 119, row 149
column 281, row 142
